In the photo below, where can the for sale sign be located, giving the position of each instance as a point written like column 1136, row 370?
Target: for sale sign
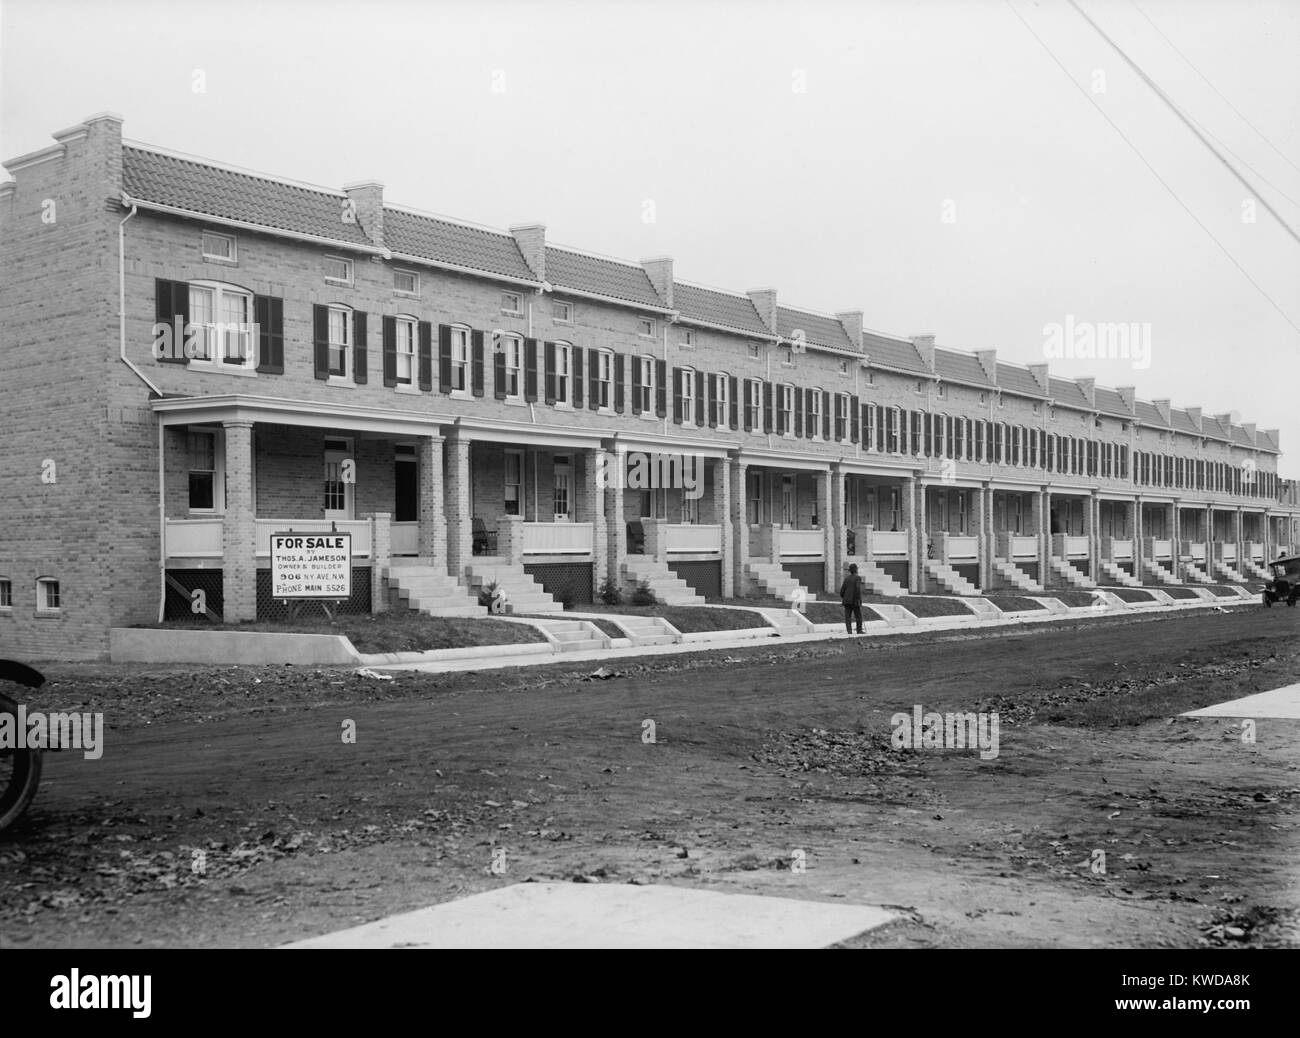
column 311, row 565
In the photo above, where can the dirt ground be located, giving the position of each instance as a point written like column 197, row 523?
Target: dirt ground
column 228, row 811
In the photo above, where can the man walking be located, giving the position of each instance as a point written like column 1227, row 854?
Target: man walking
column 851, row 598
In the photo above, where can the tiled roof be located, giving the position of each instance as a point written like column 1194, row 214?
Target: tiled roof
column 819, row 330
column 893, row 353
column 1110, row 402
column 720, row 308
column 1018, row 380
column 1182, row 422
column 1266, row 441
column 960, row 367
column 443, row 241
column 1067, row 393
column 599, row 276
column 1147, row 414
column 1239, row 437
column 1211, row 426
column 150, row 176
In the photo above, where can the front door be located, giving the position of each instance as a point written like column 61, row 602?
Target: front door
column 340, row 478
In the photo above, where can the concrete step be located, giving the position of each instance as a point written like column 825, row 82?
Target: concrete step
column 664, row 583
column 1016, row 577
column 1071, row 574
column 1116, row 574
column 430, row 591
column 875, row 579
column 771, row 579
column 1161, row 575
column 949, row 579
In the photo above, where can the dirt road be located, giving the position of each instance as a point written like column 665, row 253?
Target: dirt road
column 229, row 810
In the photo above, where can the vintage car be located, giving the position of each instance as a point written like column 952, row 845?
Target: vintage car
column 1285, row 584
column 20, row 764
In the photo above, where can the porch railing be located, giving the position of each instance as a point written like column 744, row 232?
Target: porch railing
column 1024, row 547
column 359, row 528
column 1121, row 549
column 557, row 538
column 962, row 548
column 694, row 538
column 1162, row 549
column 1228, row 551
column 889, row 543
column 404, row 538
column 1076, row 547
column 1196, row 549
column 1256, row 550
column 193, row 538
column 803, row 542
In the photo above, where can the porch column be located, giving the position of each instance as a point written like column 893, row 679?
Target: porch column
column 1209, row 536
column 1268, row 537
column 1045, row 537
column 1037, row 519
column 1242, row 552
column 460, row 527
column 720, row 490
column 433, row 521
column 839, row 539
column 1138, row 534
column 239, row 530
column 1091, row 530
column 381, row 541
column 739, row 525
column 915, row 535
column 985, row 548
column 591, row 509
column 1177, row 531
column 615, row 524
column 832, row 561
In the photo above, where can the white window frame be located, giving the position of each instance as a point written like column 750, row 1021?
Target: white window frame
column 517, row 310
column 410, row 293
column 645, row 327
column 722, row 399
column 412, row 326
column 49, row 595
column 214, row 334
column 786, row 405
column 512, row 346
column 346, row 452
column 941, row 390
column 688, row 339
column 814, row 414
column 460, row 361
column 648, row 385
column 753, row 405
column 843, row 417
column 605, row 380
column 506, row 485
column 218, row 469
column 564, row 375
column 344, row 346
column 6, row 595
column 688, row 376
column 216, row 257
column 347, row 267
column 558, row 306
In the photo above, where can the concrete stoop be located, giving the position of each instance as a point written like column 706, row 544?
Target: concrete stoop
column 523, row 593
column 668, row 588
column 768, row 579
column 1193, row 572
column 949, row 578
column 1233, row 575
column 1070, row 573
column 876, row 579
column 573, row 635
column 429, row 589
column 1162, row 575
column 893, row 615
column 1118, row 575
column 1253, row 569
column 646, row 630
column 1016, row 577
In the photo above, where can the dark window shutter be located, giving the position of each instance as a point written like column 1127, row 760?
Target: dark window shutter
column 636, row 385
column 677, row 395
column 172, row 301
column 530, row 369
column 699, row 398
column 855, row 419
column 778, row 405
column 713, row 401
column 499, row 371
column 476, row 361
column 389, row 336
column 321, row 338
column 880, row 428
column 798, row 411
column 444, row 358
column 426, row 356
column 268, row 312
column 548, row 370
column 619, row 365
column 661, row 388
column 751, row 394
column 575, row 374
column 733, row 399
column 359, row 365
column 826, row 415
column 593, row 379
column 767, row 407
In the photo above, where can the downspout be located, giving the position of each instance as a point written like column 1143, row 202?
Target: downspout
column 162, row 531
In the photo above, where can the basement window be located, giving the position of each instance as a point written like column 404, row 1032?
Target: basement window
column 6, row 593
column 48, row 599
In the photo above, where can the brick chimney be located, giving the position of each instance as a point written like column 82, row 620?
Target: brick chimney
column 1088, row 386
column 368, row 197
column 1194, row 413
column 1273, row 435
column 531, row 239
column 1250, row 431
column 1041, row 376
column 660, row 272
column 1129, row 395
column 851, row 322
column 989, row 362
column 924, row 345
column 764, row 300
column 1163, row 406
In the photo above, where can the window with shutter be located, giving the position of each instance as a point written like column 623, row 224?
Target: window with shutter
column 619, row 374
column 476, row 363
column 661, row 388
column 445, row 382
column 530, row 370
column 426, row 356
column 360, row 363
column 677, row 396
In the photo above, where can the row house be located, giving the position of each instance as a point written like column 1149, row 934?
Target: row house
column 199, row 356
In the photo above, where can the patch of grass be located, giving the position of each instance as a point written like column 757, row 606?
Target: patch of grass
column 928, row 605
column 1179, row 592
column 689, row 619
column 832, row 613
column 1131, row 594
column 388, row 632
column 1014, row 603
column 607, row 626
column 1073, row 599
column 1222, row 591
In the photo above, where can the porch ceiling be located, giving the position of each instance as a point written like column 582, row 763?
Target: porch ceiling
column 313, row 414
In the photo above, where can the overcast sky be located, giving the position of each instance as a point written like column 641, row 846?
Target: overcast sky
column 928, row 163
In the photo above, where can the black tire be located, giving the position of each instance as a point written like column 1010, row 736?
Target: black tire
column 20, row 774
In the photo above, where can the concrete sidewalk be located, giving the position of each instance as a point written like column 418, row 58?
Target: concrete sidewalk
column 611, row 915
column 1280, row 703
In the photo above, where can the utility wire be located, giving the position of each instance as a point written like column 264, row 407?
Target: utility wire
column 1241, row 116
column 1187, row 122
column 1165, row 184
